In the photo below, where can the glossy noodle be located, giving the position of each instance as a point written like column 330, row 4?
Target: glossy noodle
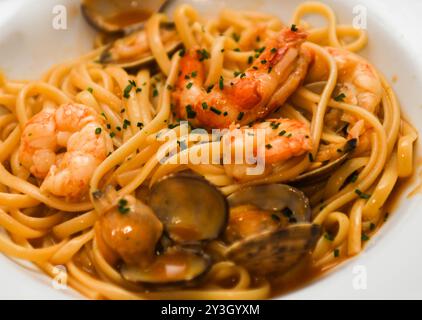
column 60, row 195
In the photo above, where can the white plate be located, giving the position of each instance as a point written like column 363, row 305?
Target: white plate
column 392, row 261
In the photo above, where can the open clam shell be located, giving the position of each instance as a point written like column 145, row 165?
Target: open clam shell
column 274, row 197
column 177, row 266
column 323, row 172
column 275, row 252
column 133, row 52
column 190, row 208
column 319, row 174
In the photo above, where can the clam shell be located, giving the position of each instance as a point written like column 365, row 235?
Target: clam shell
column 177, row 266
column 274, row 197
column 273, row 253
column 190, row 208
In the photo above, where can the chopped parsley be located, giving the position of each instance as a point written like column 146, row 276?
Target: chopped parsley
column 122, row 206
column 140, row 125
column 112, row 134
column 189, row 85
column 274, row 50
column 260, row 50
column 97, row 130
column 282, row 133
column 294, row 28
column 221, row 83
column 336, row 253
column 354, row 176
column 190, row 112
column 235, row 36
column 138, row 90
column 203, row 54
column 311, row 157
column 210, row 88
column 263, row 61
column 340, row 97
column 155, row 92
column 362, row 195
column 204, row 105
column 225, row 113
column 182, row 52
column 172, row 125
column 126, row 123
column 268, row 146
column 240, row 116
column 250, row 59
column 90, row 90
column 194, row 74
column 126, row 91
column 274, row 125
column 364, row 237
column 215, row 110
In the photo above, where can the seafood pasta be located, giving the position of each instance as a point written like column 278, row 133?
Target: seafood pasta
column 235, row 157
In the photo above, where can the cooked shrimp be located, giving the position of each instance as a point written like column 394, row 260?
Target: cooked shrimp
column 246, row 221
column 131, row 230
column 284, row 139
column 357, row 80
column 79, row 130
column 267, row 84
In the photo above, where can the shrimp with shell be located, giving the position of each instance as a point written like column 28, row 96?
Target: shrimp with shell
column 358, row 82
column 277, row 72
column 283, row 139
column 63, row 147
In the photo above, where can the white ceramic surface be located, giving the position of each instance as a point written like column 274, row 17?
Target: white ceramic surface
column 393, row 258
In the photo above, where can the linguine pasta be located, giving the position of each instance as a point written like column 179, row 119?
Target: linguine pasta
column 50, row 230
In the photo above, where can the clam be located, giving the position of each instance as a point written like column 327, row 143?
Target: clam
column 123, row 37
column 190, row 208
column 176, row 266
column 323, row 172
column 133, row 52
column 274, row 197
column 275, row 250
column 119, row 16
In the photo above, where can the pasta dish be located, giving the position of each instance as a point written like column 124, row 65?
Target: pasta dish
column 235, row 157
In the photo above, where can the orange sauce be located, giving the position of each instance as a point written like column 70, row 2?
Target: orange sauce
column 129, row 17
column 305, row 273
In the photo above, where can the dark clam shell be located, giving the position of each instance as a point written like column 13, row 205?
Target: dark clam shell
column 273, row 253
